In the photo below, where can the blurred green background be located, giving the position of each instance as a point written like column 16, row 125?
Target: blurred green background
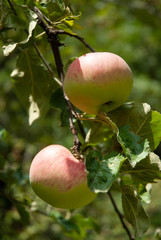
column 130, row 29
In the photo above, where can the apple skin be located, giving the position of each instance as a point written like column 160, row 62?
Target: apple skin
column 98, row 82
column 60, row 179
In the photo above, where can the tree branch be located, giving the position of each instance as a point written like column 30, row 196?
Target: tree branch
column 120, row 216
column 46, row 64
column 76, row 36
column 55, row 44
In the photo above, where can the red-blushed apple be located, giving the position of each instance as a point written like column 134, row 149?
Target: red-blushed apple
column 60, row 179
column 98, row 82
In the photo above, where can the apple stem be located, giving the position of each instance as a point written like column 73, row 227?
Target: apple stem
column 103, row 116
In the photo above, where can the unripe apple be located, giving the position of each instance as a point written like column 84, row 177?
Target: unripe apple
column 60, row 179
column 98, row 82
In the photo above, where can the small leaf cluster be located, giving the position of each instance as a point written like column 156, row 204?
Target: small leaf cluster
column 128, row 163
column 35, row 79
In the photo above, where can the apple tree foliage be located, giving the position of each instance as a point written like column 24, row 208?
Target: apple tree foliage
column 118, row 147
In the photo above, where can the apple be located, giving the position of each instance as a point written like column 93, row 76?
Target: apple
column 60, row 179
column 98, row 82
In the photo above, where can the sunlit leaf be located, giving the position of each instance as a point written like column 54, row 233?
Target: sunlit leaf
column 135, row 148
column 142, row 121
column 147, row 170
column 25, row 20
column 144, row 192
column 34, row 111
column 64, row 27
column 9, row 48
column 76, row 17
column 72, row 24
column 102, row 172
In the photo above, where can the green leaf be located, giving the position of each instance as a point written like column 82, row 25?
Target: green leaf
column 19, row 1
column 142, row 121
column 126, row 178
column 99, row 133
column 33, row 84
column 76, row 17
column 102, row 172
column 54, row 11
column 61, row 4
column 4, row 9
column 92, row 160
column 72, row 24
column 57, row 101
column 135, row 148
column 155, row 134
column 148, row 170
column 134, row 211
column 25, row 20
column 64, row 27
column 15, row 19
column 144, row 192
